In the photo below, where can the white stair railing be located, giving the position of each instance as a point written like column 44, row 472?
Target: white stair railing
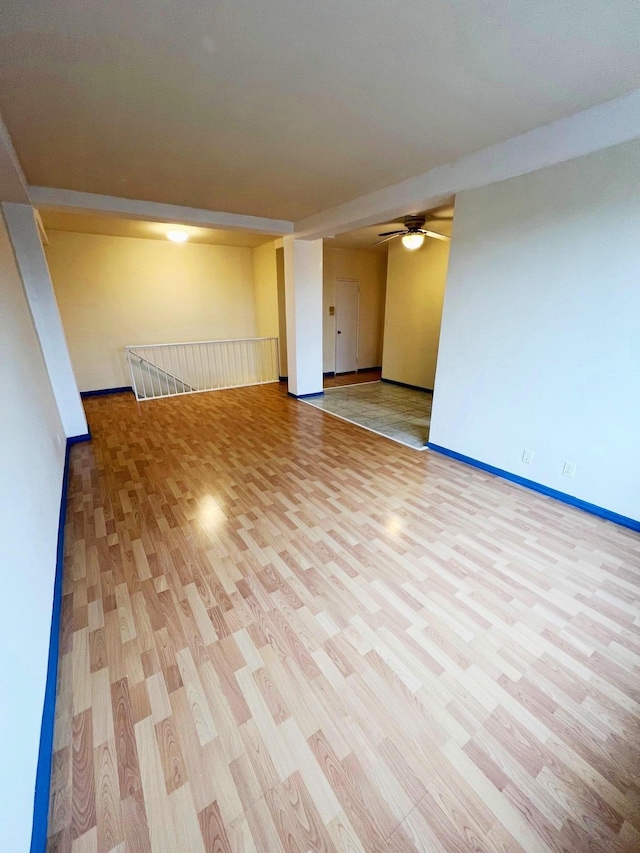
column 165, row 370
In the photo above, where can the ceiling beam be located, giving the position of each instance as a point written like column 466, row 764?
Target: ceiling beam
column 71, row 201
column 592, row 130
column 13, row 184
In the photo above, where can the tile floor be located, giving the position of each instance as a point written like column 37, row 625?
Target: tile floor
column 398, row 413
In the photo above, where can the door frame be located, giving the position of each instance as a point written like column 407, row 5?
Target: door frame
column 335, row 330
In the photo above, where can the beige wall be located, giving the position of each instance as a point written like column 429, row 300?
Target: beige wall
column 369, row 268
column 265, row 277
column 31, row 465
column 413, row 313
column 118, row 291
column 268, row 273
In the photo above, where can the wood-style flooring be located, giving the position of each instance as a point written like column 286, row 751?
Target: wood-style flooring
column 284, row 634
column 369, row 374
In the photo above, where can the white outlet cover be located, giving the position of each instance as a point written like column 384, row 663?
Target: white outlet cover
column 569, row 469
column 527, row 456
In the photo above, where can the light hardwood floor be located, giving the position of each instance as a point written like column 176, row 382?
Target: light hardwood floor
column 284, row 634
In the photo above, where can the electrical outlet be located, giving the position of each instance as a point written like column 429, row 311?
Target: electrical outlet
column 569, row 469
column 527, row 456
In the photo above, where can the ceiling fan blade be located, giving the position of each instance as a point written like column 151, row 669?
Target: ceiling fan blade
column 386, row 239
column 390, row 233
column 436, row 235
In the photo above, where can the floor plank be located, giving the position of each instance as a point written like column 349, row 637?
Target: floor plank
column 283, row 633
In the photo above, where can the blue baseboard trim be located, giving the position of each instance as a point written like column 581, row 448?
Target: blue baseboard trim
column 304, row 396
column 45, row 750
column 76, row 439
column 101, row 392
column 622, row 520
column 406, row 385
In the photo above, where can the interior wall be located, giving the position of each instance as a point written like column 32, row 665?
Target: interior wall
column 540, row 343
column 119, row 291
column 370, row 269
column 415, row 293
column 31, row 468
column 282, row 312
column 265, row 277
column 268, row 272
column 36, row 279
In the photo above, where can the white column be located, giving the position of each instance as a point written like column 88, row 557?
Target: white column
column 303, row 290
column 32, row 263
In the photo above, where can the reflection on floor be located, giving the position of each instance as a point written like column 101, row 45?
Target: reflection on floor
column 369, row 374
column 402, row 414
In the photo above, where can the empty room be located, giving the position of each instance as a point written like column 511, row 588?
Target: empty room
column 320, row 486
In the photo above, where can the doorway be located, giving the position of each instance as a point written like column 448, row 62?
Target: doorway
column 347, row 308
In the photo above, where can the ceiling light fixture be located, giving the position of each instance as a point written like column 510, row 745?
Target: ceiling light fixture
column 178, row 236
column 412, row 241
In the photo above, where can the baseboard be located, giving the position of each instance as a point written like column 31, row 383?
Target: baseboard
column 406, row 385
column 304, row 396
column 593, row 509
column 329, row 374
column 76, row 439
column 282, row 378
column 101, row 392
column 45, row 750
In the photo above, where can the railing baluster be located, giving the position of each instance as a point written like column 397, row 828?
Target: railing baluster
column 165, row 370
column 231, row 360
column 207, row 349
column 205, row 376
column 245, row 362
column 160, row 360
column 233, row 379
column 195, row 383
column 173, row 369
column 152, row 372
column 205, row 371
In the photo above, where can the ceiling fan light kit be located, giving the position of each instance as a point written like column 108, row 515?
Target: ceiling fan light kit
column 412, row 241
column 412, row 234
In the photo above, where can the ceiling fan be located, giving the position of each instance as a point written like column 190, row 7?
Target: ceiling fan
column 412, row 234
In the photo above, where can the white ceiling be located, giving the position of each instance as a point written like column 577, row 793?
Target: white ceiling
column 283, row 109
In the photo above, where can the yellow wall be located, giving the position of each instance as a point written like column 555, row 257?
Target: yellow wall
column 369, row 268
column 415, row 293
column 266, row 290
column 118, row 291
column 268, row 273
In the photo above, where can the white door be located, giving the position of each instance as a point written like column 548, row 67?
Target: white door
column 347, row 296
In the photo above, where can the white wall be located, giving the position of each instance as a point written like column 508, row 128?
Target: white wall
column 32, row 265
column 540, row 343
column 31, row 466
column 282, row 311
column 415, row 293
column 119, row 291
column 370, row 269
column 303, row 288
